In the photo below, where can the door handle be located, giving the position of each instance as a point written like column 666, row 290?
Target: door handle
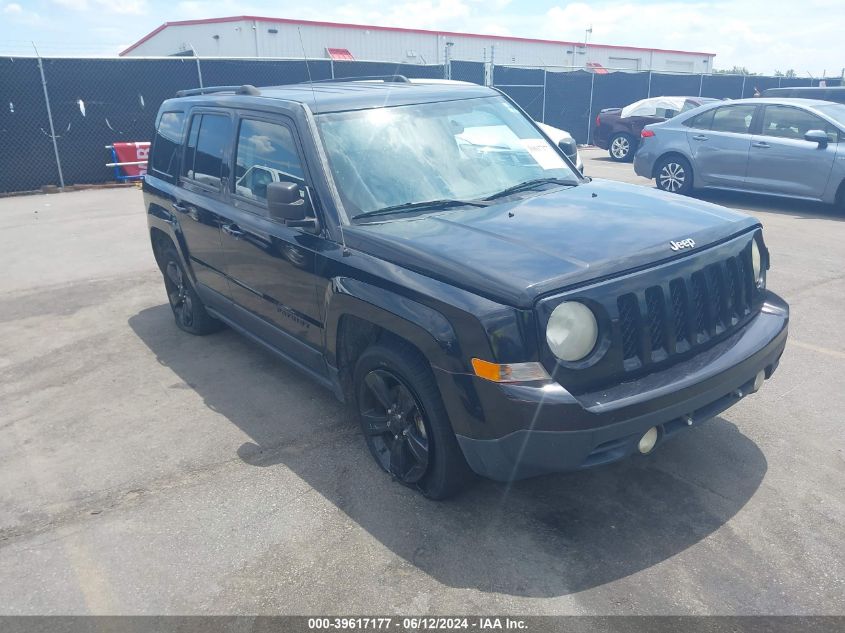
column 699, row 137
column 761, row 145
column 232, row 230
column 179, row 208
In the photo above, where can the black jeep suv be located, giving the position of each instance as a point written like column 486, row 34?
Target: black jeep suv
column 428, row 254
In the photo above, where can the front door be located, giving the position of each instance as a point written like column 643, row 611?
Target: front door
column 782, row 162
column 271, row 267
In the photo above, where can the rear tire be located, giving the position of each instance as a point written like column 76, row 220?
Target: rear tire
column 621, row 147
column 404, row 422
column 188, row 309
column 674, row 174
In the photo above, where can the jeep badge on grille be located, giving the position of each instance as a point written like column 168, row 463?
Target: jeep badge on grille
column 677, row 246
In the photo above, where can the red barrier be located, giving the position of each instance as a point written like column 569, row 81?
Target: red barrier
column 132, row 153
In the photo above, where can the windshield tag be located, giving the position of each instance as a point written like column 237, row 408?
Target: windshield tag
column 543, row 153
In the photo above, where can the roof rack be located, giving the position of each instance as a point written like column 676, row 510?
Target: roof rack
column 246, row 89
column 401, row 79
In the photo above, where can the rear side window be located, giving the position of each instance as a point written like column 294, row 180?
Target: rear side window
column 167, row 142
column 702, row 121
column 266, row 153
column 205, row 153
column 735, row 119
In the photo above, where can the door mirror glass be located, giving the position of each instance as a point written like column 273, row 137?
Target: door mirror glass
column 816, row 136
column 285, row 201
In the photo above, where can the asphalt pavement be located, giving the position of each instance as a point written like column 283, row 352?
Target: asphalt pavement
column 146, row 471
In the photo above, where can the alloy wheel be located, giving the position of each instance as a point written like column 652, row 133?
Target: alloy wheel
column 395, row 422
column 672, row 177
column 620, row 147
column 177, row 293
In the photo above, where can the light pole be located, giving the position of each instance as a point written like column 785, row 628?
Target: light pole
column 587, row 33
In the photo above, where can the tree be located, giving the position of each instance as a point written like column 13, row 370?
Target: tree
column 788, row 73
column 736, row 70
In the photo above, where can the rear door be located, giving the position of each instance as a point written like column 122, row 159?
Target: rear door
column 202, row 196
column 782, row 162
column 719, row 141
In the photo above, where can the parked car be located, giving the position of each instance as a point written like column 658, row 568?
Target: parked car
column 830, row 93
column 785, row 147
column 566, row 142
column 482, row 307
column 618, row 129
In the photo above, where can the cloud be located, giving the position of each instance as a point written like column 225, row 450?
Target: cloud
column 120, row 7
column 74, row 5
column 13, row 8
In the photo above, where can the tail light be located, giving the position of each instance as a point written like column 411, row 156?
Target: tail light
column 646, row 134
column 598, row 120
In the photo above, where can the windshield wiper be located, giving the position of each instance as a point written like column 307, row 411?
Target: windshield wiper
column 529, row 184
column 433, row 205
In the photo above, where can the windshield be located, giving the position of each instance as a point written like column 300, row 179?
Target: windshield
column 835, row 111
column 462, row 150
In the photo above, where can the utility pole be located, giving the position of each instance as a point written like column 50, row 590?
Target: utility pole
column 50, row 117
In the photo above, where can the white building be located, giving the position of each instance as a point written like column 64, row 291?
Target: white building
column 249, row 36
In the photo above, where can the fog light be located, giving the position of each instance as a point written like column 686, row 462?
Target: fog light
column 648, row 440
column 758, row 380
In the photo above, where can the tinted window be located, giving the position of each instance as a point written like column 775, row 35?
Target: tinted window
column 207, row 142
column 702, row 121
column 266, row 153
column 786, row 122
column 733, row 119
column 167, row 141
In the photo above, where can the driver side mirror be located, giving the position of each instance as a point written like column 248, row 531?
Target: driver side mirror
column 286, row 203
column 816, row 136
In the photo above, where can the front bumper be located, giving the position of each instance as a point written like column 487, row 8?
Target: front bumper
column 510, row 432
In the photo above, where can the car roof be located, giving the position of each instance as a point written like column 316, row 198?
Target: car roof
column 339, row 96
column 798, row 101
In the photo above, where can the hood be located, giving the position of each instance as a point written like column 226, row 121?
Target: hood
column 516, row 251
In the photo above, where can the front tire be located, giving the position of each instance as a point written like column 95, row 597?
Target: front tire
column 673, row 174
column 188, row 309
column 404, row 422
column 621, row 147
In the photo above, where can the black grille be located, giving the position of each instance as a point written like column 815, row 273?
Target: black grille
column 687, row 313
column 629, row 324
column 656, row 325
column 679, row 309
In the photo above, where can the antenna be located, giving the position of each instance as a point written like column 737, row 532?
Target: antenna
column 345, row 250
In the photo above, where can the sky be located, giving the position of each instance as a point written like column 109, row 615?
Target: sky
column 761, row 35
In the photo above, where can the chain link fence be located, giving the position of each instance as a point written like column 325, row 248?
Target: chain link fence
column 57, row 115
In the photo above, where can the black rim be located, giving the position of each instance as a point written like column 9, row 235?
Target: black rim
column 395, row 424
column 177, row 293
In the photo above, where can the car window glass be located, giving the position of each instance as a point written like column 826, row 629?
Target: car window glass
column 733, row 119
column 207, row 142
column 665, row 113
column 787, row 122
column 168, row 139
column 266, row 153
column 702, row 121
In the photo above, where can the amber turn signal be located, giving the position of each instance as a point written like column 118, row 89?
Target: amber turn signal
column 515, row 372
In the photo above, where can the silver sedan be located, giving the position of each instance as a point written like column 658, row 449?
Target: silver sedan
column 784, row 147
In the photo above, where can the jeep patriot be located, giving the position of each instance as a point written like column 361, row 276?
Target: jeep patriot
column 428, row 254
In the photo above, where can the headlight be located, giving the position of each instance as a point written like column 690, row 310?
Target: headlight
column 756, row 263
column 572, row 331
